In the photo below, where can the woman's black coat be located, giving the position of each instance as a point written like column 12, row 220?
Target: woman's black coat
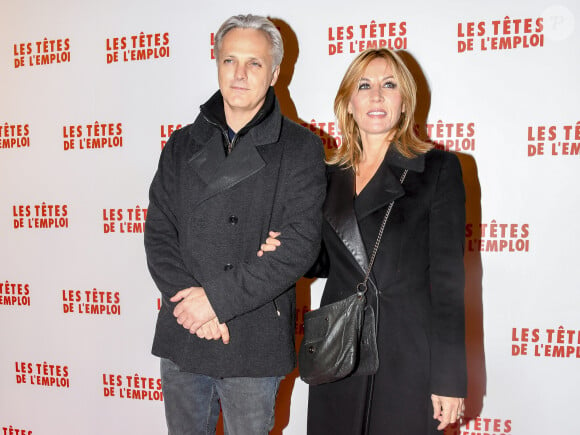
column 419, row 273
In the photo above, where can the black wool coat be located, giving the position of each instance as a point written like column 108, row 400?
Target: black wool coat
column 208, row 215
column 420, row 278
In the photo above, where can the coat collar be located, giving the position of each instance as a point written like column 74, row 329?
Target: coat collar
column 338, row 210
column 210, row 162
column 213, row 111
column 383, row 188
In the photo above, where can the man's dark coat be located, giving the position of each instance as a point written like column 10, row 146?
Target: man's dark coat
column 208, row 215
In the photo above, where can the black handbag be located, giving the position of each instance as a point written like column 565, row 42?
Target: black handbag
column 340, row 338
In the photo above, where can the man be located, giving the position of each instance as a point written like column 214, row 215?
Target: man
column 225, row 329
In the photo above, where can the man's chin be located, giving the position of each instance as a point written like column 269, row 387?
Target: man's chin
column 238, row 103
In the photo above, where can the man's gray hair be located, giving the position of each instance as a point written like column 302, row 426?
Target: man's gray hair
column 252, row 22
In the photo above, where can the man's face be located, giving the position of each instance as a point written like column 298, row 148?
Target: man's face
column 245, row 72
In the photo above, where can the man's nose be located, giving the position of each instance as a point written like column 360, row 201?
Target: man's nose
column 241, row 73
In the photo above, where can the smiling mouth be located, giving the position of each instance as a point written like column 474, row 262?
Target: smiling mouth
column 376, row 113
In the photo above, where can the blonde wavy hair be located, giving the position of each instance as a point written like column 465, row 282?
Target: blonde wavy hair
column 406, row 140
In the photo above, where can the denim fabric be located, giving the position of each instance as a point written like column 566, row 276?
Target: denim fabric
column 192, row 402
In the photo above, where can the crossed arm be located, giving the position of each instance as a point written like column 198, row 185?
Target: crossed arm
column 194, row 311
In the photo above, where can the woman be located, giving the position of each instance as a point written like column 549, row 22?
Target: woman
column 418, row 269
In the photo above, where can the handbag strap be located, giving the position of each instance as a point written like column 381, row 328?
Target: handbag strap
column 361, row 287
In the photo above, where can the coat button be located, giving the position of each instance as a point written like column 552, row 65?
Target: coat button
column 233, row 219
column 228, row 267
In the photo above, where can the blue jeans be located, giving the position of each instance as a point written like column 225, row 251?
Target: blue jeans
column 192, row 402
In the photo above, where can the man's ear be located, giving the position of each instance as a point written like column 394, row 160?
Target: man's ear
column 275, row 75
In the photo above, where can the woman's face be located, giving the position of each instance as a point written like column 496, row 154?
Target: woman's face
column 376, row 104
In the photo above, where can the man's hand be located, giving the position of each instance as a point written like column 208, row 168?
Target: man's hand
column 193, row 309
column 214, row 330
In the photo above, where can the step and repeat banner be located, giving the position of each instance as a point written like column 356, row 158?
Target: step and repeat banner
column 91, row 91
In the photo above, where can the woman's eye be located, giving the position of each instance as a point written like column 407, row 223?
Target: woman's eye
column 390, row 85
column 363, row 86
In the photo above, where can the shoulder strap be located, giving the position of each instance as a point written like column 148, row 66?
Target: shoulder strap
column 361, row 287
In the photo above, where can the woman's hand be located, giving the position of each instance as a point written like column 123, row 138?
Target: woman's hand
column 270, row 244
column 447, row 410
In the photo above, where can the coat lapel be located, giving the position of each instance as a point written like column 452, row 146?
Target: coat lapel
column 339, row 213
column 384, row 187
column 220, row 172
